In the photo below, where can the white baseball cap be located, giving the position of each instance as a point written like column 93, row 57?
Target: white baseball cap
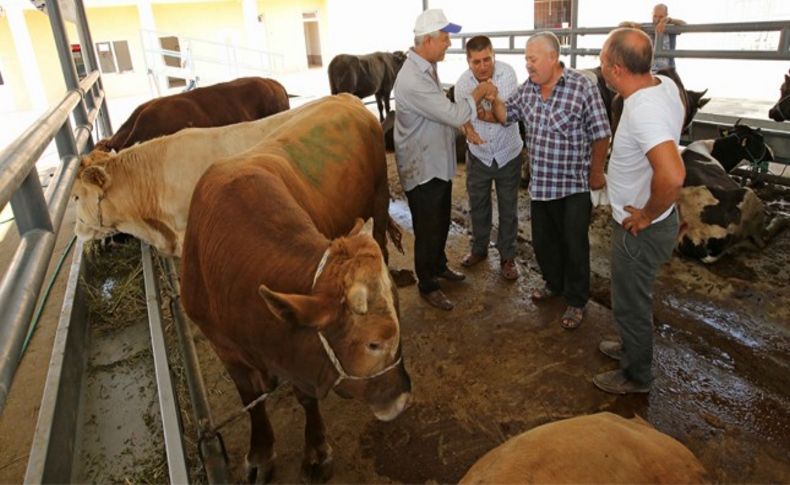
column 433, row 20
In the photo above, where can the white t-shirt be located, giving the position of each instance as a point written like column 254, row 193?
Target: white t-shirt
column 650, row 116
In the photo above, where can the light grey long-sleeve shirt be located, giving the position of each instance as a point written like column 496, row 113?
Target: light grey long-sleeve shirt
column 425, row 124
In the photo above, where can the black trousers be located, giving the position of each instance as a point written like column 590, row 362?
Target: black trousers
column 560, row 236
column 429, row 204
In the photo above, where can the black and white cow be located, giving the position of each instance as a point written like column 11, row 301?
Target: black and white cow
column 716, row 213
column 739, row 143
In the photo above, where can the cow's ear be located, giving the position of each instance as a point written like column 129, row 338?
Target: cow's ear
column 304, row 310
column 362, row 226
column 95, row 175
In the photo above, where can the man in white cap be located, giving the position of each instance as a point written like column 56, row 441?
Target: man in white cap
column 425, row 124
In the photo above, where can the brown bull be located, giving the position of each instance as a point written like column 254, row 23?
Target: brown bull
column 599, row 448
column 280, row 277
column 243, row 99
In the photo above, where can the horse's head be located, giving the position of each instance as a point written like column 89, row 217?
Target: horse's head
column 781, row 110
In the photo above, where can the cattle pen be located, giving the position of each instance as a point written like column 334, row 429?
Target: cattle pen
column 481, row 397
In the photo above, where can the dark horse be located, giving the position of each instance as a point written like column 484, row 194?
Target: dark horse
column 781, row 110
column 371, row 74
column 692, row 100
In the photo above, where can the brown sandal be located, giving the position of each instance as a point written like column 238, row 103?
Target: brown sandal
column 472, row 259
column 572, row 318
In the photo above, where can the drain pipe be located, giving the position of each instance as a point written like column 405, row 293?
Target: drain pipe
column 210, row 445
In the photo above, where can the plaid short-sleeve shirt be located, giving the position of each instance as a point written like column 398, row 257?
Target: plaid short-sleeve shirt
column 560, row 131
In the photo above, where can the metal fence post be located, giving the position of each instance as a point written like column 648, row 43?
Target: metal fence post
column 89, row 54
column 67, row 63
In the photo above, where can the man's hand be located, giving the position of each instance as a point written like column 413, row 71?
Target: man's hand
column 471, row 134
column 597, row 180
column 485, row 90
column 484, row 115
column 637, row 221
column 661, row 26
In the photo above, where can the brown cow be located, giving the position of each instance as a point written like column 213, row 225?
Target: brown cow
column 281, row 279
column 243, row 99
column 599, row 448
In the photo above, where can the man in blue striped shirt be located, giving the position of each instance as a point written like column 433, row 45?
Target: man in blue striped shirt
column 567, row 139
column 498, row 160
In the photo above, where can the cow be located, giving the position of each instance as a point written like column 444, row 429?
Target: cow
column 145, row 190
column 286, row 283
column 367, row 75
column 243, row 99
column 716, row 213
column 781, row 110
column 598, row 448
column 741, row 142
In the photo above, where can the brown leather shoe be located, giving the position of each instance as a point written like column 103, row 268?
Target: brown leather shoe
column 451, row 275
column 438, row 299
column 509, row 269
column 472, row 259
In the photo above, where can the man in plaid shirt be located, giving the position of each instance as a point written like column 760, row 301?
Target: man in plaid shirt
column 567, row 139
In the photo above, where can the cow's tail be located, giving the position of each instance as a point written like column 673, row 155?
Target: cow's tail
column 395, row 234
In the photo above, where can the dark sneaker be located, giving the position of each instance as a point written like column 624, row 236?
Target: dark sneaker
column 438, row 299
column 616, row 382
column 612, row 349
column 451, row 275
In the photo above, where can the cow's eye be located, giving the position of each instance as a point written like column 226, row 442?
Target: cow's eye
column 374, row 346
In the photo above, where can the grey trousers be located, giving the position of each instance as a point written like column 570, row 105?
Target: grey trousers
column 635, row 262
column 478, row 186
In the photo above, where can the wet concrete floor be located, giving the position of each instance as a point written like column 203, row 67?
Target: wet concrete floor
column 498, row 364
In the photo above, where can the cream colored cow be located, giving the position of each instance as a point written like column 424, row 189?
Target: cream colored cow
column 145, row 190
column 599, row 448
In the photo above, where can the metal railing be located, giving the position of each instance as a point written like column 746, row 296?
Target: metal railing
column 777, row 135
column 38, row 215
column 195, row 53
column 780, row 53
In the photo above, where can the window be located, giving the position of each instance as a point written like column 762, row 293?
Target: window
column 114, row 56
column 551, row 14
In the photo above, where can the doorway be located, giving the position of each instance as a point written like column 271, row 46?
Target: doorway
column 312, row 39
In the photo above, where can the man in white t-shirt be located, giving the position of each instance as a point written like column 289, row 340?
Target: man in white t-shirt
column 644, row 178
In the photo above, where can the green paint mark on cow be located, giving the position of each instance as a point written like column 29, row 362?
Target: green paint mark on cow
column 311, row 152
